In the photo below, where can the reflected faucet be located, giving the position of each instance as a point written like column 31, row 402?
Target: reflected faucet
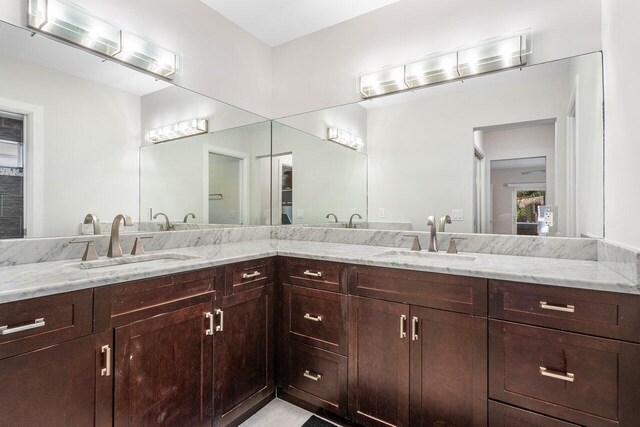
column 333, row 215
column 167, row 225
column 115, row 250
column 443, row 221
column 93, row 219
column 351, row 224
column 186, row 217
column 433, row 240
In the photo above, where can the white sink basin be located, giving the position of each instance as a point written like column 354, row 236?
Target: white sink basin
column 427, row 256
column 130, row 259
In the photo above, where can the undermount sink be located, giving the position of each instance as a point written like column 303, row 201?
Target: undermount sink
column 131, row 259
column 424, row 255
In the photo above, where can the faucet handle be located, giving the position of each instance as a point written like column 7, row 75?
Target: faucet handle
column 138, row 249
column 416, row 242
column 453, row 249
column 90, row 253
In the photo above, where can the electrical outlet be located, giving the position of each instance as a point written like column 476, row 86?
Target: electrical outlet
column 457, row 215
column 232, row 214
column 548, row 219
column 381, row 214
column 300, row 214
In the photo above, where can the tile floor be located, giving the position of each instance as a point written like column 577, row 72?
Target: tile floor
column 278, row 413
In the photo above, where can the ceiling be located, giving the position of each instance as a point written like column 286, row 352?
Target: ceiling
column 279, row 21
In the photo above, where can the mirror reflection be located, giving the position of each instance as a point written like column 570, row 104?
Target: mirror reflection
column 515, row 152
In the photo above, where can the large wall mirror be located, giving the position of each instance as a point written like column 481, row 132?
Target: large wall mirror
column 73, row 141
column 517, row 152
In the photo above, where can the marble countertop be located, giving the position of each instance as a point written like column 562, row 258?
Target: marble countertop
column 40, row 279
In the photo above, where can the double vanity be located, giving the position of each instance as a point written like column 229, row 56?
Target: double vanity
column 376, row 335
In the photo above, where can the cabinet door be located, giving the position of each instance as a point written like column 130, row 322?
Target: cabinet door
column 54, row 386
column 448, row 368
column 243, row 353
column 379, row 362
column 163, row 369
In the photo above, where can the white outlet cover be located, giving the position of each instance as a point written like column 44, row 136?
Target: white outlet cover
column 457, row 215
column 300, row 214
column 381, row 215
column 548, row 219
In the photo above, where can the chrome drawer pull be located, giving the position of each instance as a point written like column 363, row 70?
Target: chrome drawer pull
column 250, row 276
column 314, row 377
column 403, row 326
column 106, row 371
column 564, row 308
column 220, row 327
column 6, row 330
column 312, row 274
column 414, row 328
column 208, row 315
column 312, row 317
column 569, row 377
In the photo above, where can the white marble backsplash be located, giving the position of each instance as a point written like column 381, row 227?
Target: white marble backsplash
column 623, row 260
column 25, row 251
column 543, row 247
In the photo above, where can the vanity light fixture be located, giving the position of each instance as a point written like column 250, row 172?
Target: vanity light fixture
column 492, row 55
column 177, row 130
column 70, row 23
column 345, row 138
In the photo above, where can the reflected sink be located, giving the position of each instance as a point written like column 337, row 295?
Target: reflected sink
column 130, row 259
column 427, row 256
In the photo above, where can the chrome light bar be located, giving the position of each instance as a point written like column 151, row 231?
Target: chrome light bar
column 177, row 130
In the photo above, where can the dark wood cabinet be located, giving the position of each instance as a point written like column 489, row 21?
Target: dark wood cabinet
column 243, row 354
column 163, row 369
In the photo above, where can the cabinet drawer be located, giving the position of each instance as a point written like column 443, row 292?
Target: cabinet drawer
column 316, row 318
column 36, row 323
column 501, row 415
column 591, row 312
column 327, row 276
column 248, row 275
column 577, row 378
column 319, row 377
column 443, row 291
column 119, row 305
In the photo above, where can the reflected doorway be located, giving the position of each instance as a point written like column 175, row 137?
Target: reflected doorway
column 225, row 189
column 12, row 173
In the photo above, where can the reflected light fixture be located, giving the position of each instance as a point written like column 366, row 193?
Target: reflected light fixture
column 489, row 56
column 178, row 130
column 345, row 138
column 70, row 23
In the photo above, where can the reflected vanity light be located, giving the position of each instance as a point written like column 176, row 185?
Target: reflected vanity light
column 345, row 138
column 68, row 22
column 177, row 130
column 492, row 55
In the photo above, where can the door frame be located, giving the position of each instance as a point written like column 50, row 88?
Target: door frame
column 245, row 174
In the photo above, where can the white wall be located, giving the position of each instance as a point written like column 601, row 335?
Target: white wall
column 221, row 60
column 319, row 70
column 620, row 42
column 225, row 177
column 90, row 145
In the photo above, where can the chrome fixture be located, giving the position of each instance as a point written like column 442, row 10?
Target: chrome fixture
column 351, row 224
column 167, row 225
column 491, row 55
column 333, row 215
column 453, row 249
column 37, row 323
column 115, row 250
column 90, row 253
column 416, row 242
column 93, row 219
column 446, row 219
column 433, row 240
column 345, row 138
column 186, row 217
column 178, row 130
column 66, row 21
column 138, row 249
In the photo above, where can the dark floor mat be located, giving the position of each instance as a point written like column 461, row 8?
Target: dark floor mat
column 317, row 422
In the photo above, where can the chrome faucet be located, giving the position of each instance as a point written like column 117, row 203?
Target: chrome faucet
column 333, row 215
column 167, row 225
column 433, row 240
column 446, row 219
column 115, row 250
column 93, row 219
column 186, row 217
column 351, row 224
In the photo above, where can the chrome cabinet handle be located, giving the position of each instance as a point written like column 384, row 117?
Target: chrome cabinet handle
column 414, row 328
column 568, row 376
column 564, row 308
column 250, row 275
column 208, row 315
column 312, row 376
column 312, row 274
column 106, row 371
column 6, row 330
column 220, row 327
column 403, row 326
column 312, row 317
